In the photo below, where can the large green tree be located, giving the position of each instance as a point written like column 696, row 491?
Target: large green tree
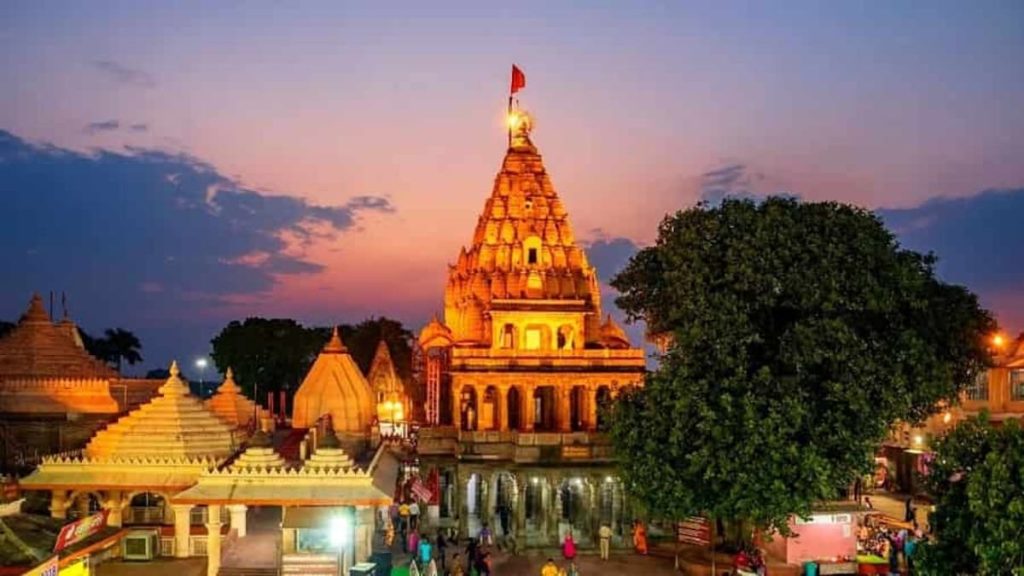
column 276, row 354
column 267, row 354
column 799, row 333
column 977, row 479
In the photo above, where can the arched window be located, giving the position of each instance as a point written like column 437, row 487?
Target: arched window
column 508, row 337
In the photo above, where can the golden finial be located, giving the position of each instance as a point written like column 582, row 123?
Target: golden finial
column 174, row 369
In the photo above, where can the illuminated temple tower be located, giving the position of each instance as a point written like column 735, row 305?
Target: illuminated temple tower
column 517, row 371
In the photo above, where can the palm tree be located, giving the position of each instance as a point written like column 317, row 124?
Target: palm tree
column 122, row 345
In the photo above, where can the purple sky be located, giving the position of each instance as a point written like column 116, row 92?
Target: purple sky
column 177, row 165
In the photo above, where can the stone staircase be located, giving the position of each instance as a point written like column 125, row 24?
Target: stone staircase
column 246, row 571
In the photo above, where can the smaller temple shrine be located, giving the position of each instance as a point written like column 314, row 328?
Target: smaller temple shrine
column 336, row 388
column 393, row 405
column 235, row 408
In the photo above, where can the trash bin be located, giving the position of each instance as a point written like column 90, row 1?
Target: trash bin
column 811, row 569
column 363, row 569
column 382, row 559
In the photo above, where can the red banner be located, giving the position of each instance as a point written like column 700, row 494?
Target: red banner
column 79, row 530
column 420, row 491
column 694, row 530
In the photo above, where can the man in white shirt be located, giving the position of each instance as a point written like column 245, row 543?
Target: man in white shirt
column 605, row 534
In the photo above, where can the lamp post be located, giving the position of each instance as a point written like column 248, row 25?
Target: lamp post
column 201, row 365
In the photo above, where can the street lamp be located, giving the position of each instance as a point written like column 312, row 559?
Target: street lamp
column 201, row 365
column 340, row 535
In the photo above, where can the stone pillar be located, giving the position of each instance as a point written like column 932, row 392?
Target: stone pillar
column 563, row 413
column 363, row 546
column 502, row 408
column 520, row 514
column 238, row 519
column 456, row 405
column 182, row 529
column 591, row 395
column 82, row 505
column 484, row 487
column 59, row 504
column 526, row 415
column 553, row 508
column 461, row 505
column 478, row 406
column 490, row 499
column 114, row 504
column 213, row 525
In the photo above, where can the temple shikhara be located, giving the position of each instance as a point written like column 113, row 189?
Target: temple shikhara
column 516, row 375
column 517, row 372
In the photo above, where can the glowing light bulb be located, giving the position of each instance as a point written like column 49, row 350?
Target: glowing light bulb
column 998, row 341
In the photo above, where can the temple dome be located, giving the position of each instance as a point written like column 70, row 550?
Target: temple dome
column 334, row 387
column 174, row 424
column 612, row 335
column 38, row 348
column 435, row 334
column 231, row 405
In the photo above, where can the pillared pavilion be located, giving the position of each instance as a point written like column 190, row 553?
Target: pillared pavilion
column 519, row 367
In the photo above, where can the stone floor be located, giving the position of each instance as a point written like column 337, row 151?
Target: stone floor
column 619, row 564
column 184, row 567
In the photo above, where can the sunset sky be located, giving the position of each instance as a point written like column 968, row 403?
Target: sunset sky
column 173, row 166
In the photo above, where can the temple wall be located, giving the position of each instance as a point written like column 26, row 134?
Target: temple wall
column 26, row 438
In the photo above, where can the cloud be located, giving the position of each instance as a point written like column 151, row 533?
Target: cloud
column 145, row 234
column 103, row 126
column 123, row 75
column 140, row 127
column 609, row 254
column 978, row 241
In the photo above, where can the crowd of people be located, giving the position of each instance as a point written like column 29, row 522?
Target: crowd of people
column 894, row 544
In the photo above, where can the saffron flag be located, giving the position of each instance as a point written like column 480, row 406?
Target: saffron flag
column 518, row 79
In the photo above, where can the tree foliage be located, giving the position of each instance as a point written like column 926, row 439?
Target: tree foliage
column 799, row 333
column 977, row 479
column 5, row 327
column 115, row 347
column 275, row 354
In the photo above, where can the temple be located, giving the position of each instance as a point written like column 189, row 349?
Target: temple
column 53, row 394
column 394, row 406
column 518, row 370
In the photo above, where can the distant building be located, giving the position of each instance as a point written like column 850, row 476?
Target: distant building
column 517, row 372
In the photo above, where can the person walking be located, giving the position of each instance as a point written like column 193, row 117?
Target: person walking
column 403, row 524
column 486, row 536
column 909, row 548
column 549, row 568
column 414, row 515
column 457, row 569
column 640, row 537
column 569, row 546
column 426, row 551
column 442, row 545
column 573, row 570
column 605, row 536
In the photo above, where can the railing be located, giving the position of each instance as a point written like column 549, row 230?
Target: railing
column 146, row 515
column 589, row 354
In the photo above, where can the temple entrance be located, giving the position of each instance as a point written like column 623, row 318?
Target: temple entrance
column 146, row 508
column 603, row 398
column 577, row 408
column 504, row 503
column 468, row 410
column 573, row 511
column 489, row 418
column 534, row 505
column 512, row 405
column 609, row 506
column 544, row 409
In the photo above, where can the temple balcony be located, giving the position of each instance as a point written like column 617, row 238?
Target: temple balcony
column 514, row 445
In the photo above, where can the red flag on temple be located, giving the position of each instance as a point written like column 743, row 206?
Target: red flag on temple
column 518, row 79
